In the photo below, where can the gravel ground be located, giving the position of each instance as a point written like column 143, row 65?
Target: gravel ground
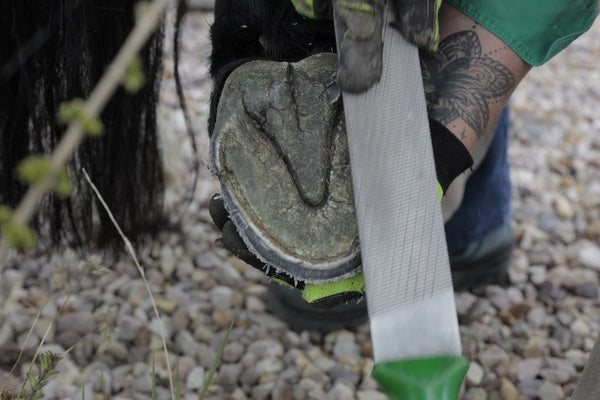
column 527, row 341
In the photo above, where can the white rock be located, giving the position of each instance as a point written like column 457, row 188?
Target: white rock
column 370, row 395
column 475, row 374
column 195, row 378
column 550, row 391
column 589, row 256
column 476, row 394
column 563, row 207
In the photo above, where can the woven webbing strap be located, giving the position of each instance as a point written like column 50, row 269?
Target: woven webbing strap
column 405, row 261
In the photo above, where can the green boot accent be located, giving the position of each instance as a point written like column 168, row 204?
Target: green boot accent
column 353, row 286
column 330, row 293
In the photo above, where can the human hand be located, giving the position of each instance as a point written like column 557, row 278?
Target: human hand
column 359, row 25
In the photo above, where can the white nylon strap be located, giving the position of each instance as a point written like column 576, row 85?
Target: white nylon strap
column 407, row 274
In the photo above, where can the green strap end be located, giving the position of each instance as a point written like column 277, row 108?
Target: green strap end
column 431, row 378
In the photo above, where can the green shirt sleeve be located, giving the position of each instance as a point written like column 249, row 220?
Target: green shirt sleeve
column 535, row 29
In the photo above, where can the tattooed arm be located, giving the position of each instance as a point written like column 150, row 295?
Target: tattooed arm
column 471, row 76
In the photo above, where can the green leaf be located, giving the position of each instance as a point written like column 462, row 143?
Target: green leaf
column 33, row 169
column 51, row 373
column 19, row 237
column 5, row 214
column 33, row 382
column 44, row 361
column 73, row 110
column 134, row 78
column 69, row 111
column 92, row 126
column 64, row 186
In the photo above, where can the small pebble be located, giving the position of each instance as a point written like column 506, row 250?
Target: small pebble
column 195, row 378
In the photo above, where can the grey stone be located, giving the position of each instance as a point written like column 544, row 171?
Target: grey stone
column 492, row 355
column 508, row 390
column 290, row 339
column 195, row 379
column 282, row 391
column 537, row 274
column 155, row 326
column 344, row 375
column 555, row 375
column 481, row 307
column 550, row 391
column 143, row 383
column 589, row 256
column 262, row 391
column 537, row 317
column 529, row 387
column 475, row 374
column 119, row 377
column 267, row 321
column 527, row 368
column 226, row 274
column 325, row 363
column 464, row 302
column 339, row 391
column 580, row 328
column 266, row 348
column 588, row 290
column 129, row 326
column 206, row 355
column 249, row 377
column 498, row 297
column 221, row 296
column 229, row 374
column 81, row 322
column 313, row 373
column 346, row 346
column 577, row 357
column 238, row 394
column 255, row 304
column 370, row 395
column 6, row 333
column 515, row 296
column 269, row 365
column 186, row 343
column 476, row 394
column 233, row 352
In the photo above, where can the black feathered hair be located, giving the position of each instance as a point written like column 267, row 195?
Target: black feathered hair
column 57, row 50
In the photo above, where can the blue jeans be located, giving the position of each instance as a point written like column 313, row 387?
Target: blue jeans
column 486, row 203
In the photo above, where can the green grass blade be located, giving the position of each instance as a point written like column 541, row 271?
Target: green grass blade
column 153, row 379
column 217, row 360
column 177, row 383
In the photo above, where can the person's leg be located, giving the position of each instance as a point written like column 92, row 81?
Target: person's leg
column 479, row 234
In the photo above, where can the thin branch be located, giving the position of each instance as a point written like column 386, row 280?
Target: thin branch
column 131, row 252
column 201, row 5
column 145, row 25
